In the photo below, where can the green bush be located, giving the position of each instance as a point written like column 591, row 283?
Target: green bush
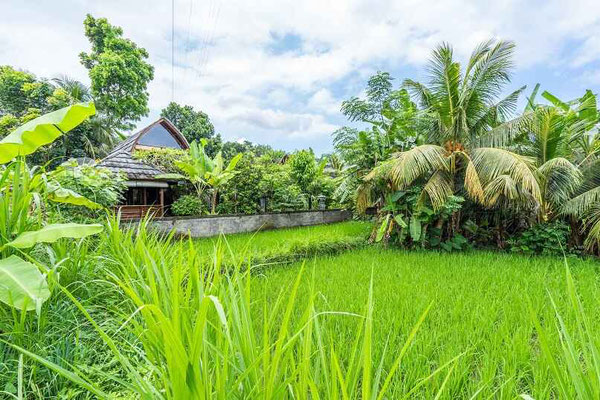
column 164, row 159
column 187, row 205
column 544, row 238
column 100, row 185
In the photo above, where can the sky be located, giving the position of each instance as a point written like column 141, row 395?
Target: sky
column 276, row 71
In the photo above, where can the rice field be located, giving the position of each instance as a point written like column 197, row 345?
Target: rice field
column 287, row 244
column 480, row 313
column 319, row 313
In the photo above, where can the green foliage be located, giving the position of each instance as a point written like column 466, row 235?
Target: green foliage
column 576, row 367
column 21, row 92
column 43, row 130
column 118, row 71
column 194, row 125
column 24, row 194
column 97, row 184
column 23, row 285
column 188, row 205
column 92, row 138
column 165, row 159
column 550, row 238
column 303, row 168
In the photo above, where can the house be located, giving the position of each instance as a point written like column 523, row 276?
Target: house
column 145, row 192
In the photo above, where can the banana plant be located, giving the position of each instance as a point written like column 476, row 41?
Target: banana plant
column 24, row 192
column 203, row 172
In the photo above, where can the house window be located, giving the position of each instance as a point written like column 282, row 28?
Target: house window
column 158, row 136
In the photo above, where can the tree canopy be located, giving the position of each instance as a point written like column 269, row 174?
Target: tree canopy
column 194, row 125
column 118, row 71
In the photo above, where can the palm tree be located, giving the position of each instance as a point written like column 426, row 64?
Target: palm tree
column 97, row 135
column 462, row 109
column 584, row 203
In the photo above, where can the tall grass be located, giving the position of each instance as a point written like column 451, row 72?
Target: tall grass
column 481, row 310
column 576, row 367
column 193, row 333
column 285, row 245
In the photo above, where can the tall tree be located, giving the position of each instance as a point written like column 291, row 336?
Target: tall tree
column 464, row 110
column 194, row 125
column 118, row 71
column 304, row 171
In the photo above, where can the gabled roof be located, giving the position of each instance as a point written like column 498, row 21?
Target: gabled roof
column 121, row 159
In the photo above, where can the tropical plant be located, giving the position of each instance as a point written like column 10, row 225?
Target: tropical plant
column 187, row 205
column 23, row 193
column 463, row 109
column 205, row 172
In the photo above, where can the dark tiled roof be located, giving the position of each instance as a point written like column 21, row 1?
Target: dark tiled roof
column 121, row 159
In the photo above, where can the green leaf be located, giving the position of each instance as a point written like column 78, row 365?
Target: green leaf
column 234, row 162
column 415, row 229
column 400, row 221
column 398, row 195
column 43, row 130
column 382, row 228
column 51, row 233
column 22, row 285
column 63, row 195
column 555, row 101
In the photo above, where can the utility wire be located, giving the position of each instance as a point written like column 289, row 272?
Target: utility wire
column 173, row 50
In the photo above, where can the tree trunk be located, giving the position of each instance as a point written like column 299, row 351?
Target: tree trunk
column 214, row 201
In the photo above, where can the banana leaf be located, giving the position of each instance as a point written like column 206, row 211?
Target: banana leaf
column 43, row 130
column 415, row 229
column 67, row 196
column 22, row 285
column 51, row 233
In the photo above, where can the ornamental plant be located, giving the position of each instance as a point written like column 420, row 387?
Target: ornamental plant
column 24, row 193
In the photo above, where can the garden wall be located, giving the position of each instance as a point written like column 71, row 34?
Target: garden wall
column 217, row 224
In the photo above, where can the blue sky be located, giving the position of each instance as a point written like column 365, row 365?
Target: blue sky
column 276, row 71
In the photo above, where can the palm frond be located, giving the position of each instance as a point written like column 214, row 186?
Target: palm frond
column 490, row 72
column 592, row 225
column 580, row 205
column 503, row 134
column 491, row 163
column 496, row 114
column 438, row 189
column 419, row 92
column 417, row 162
column 560, row 180
column 472, row 182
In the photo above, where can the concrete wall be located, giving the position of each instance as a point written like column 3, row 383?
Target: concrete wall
column 215, row 225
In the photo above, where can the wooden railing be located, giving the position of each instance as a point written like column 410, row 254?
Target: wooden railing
column 140, row 211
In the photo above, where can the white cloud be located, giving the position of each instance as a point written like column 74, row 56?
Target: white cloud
column 322, row 101
column 225, row 68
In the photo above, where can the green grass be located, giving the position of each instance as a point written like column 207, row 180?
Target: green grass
column 480, row 310
column 288, row 244
column 147, row 317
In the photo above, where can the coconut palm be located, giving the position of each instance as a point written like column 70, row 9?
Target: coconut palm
column 96, row 136
column 463, row 107
column 585, row 202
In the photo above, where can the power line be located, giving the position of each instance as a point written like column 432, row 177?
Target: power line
column 173, row 50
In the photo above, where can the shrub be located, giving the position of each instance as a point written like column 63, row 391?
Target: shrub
column 545, row 238
column 187, row 205
column 97, row 184
column 164, row 159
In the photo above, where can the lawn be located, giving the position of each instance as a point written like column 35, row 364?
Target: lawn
column 480, row 311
